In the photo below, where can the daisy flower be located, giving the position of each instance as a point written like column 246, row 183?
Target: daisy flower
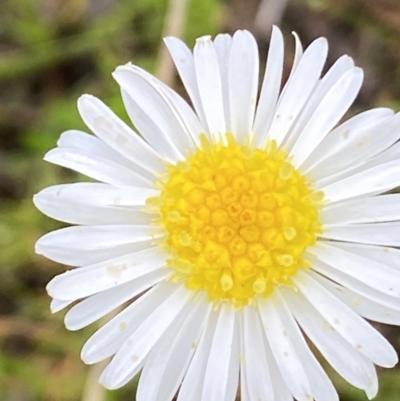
column 233, row 230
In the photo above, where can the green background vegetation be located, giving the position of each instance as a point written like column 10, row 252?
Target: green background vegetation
column 52, row 51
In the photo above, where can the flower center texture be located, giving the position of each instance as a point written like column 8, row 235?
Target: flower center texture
column 237, row 220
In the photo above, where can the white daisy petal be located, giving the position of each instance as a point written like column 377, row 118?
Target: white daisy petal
column 372, row 273
column 100, row 304
column 96, row 167
column 369, row 210
column 168, row 361
column 348, row 363
column 158, row 357
column 354, row 146
column 115, row 133
column 104, row 195
column 284, row 352
column 335, row 145
column 184, row 62
column 192, row 384
column 368, row 233
column 354, row 329
column 363, row 306
column 224, row 350
column 388, row 256
column 127, row 361
column 222, row 44
column 321, row 387
column 183, row 113
column 280, row 389
column 374, row 180
column 79, row 246
column 390, row 155
column 327, row 114
column 298, row 54
column 270, row 88
column 82, row 141
column 88, row 280
column 94, row 146
column 153, row 104
column 336, row 72
column 89, row 203
column 210, row 85
column 356, row 285
column 109, row 338
column 57, row 305
column 255, row 376
column 243, row 84
column 178, row 366
column 150, row 130
column 297, row 92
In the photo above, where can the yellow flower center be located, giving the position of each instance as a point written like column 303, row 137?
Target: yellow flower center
column 237, row 220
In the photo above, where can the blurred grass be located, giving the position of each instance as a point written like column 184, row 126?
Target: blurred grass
column 52, row 51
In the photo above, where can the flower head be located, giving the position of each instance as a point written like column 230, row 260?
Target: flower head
column 236, row 227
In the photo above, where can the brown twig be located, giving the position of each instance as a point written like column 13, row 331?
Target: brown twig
column 173, row 26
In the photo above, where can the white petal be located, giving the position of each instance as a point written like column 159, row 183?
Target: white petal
column 254, row 371
column 374, row 180
column 280, row 389
column 222, row 44
column 184, row 63
column 321, row 386
column 298, row 54
column 130, row 356
column 192, row 385
column 243, row 84
column 210, row 86
column 168, row 361
column 115, row 133
column 97, row 194
column 356, row 285
column 336, row 142
column 374, row 274
column 80, row 140
column 349, row 363
column 178, row 366
column 390, row 155
column 79, row 246
column 301, row 85
column 339, row 68
column 155, row 106
column 224, row 351
column 352, row 147
column 388, row 256
column 158, row 357
column 368, row 210
column 363, row 306
column 368, row 233
column 181, row 109
column 93, row 203
column 110, row 338
column 327, row 114
column 270, row 88
column 88, row 280
column 150, row 130
column 56, row 305
column 353, row 328
column 96, row 167
column 284, row 351
column 100, row 304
